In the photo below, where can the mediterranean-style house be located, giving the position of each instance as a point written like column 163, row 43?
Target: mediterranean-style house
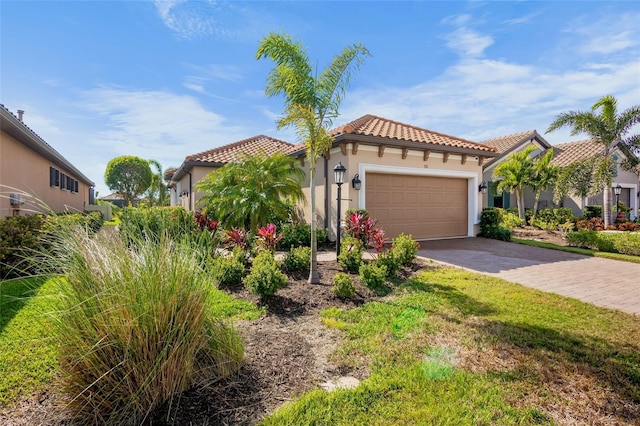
column 563, row 155
column 412, row 180
column 34, row 175
column 182, row 180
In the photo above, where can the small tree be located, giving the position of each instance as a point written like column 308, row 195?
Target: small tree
column 543, row 176
column 516, row 174
column 129, row 176
column 311, row 102
column 608, row 128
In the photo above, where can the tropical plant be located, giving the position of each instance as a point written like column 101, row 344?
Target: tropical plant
column 515, row 174
column 311, row 101
column 268, row 237
column 158, row 193
column 543, row 176
column 129, row 176
column 609, row 129
column 237, row 237
column 255, row 191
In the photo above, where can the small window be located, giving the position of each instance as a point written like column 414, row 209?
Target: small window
column 63, row 181
column 54, row 176
column 75, row 186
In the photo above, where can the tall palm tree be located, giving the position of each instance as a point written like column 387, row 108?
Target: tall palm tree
column 604, row 125
column 311, row 102
column 515, row 174
column 157, row 194
column 253, row 192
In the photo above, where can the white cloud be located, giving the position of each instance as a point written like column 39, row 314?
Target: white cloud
column 467, row 42
column 521, row 20
column 607, row 35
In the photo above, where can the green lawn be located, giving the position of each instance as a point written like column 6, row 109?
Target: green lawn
column 446, row 347
column 459, row 348
column 579, row 250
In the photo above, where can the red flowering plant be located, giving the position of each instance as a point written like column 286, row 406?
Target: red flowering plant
column 376, row 240
column 237, row 237
column 203, row 222
column 360, row 226
column 267, row 237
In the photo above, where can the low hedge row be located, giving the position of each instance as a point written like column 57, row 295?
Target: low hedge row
column 613, row 242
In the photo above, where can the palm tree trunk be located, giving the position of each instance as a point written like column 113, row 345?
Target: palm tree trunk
column 606, row 208
column 520, row 202
column 535, row 204
column 313, row 268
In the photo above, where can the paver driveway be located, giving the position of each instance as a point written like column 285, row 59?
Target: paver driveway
column 603, row 282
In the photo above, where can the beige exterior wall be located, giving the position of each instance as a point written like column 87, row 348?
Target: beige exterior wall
column 28, row 172
column 187, row 185
column 366, row 159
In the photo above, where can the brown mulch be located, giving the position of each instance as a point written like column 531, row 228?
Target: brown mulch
column 531, row 233
column 286, row 354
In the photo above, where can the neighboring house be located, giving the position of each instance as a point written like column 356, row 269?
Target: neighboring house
column 413, row 180
column 505, row 146
column 567, row 153
column 33, row 174
column 117, row 199
column 195, row 167
column 564, row 155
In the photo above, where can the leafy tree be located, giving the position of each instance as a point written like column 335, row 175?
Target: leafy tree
column 311, row 101
column 577, row 179
column 543, row 176
column 604, row 125
column 254, row 192
column 515, row 174
column 128, row 175
column 157, row 194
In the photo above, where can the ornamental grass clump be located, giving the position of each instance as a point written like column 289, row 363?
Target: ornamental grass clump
column 134, row 328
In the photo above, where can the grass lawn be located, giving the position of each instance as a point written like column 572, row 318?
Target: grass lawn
column 446, row 347
column 459, row 348
column 27, row 346
column 579, row 250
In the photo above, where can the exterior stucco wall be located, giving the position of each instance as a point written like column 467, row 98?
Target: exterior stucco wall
column 366, row 159
column 186, row 186
column 27, row 171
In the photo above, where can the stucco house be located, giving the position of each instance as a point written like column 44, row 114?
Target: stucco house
column 32, row 169
column 412, row 180
column 182, row 180
column 564, row 155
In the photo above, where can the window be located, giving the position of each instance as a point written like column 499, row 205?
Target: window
column 54, row 176
column 63, row 181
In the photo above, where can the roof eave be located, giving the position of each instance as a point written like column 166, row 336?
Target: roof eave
column 186, row 167
column 17, row 129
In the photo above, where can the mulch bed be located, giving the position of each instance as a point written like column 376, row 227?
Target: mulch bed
column 286, row 354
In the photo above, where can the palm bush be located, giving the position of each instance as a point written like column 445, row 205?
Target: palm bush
column 134, row 328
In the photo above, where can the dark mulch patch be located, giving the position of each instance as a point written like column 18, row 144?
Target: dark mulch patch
column 286, row 354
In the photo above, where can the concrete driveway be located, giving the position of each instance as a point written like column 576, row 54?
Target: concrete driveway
column 603, row 282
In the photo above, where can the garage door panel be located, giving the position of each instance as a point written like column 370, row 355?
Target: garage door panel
column 423, row 206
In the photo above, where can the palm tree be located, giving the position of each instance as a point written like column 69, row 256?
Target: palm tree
column 157, row 194
column 515, row 174
column 607, row 128
column 543, row 176
column 311, row 101
column 253, row 192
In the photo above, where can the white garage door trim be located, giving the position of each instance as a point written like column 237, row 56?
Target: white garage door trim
column 472, row 186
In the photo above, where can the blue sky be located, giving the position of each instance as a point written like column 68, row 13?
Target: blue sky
column 167, row 79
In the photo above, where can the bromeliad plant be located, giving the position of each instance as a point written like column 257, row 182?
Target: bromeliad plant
column 267, row 237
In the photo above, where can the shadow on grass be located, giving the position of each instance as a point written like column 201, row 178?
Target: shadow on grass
column 617, row 365
column 14, row 294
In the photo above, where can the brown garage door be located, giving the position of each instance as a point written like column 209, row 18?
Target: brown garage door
column 423, row 206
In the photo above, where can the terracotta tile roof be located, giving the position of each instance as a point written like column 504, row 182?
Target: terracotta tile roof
column 570, row 152
column 235, row 151
column 370, row 125
column 505, row 143
column 168, row 174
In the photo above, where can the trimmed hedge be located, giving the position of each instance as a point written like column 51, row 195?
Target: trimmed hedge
column 620, row 242
column 490, row 225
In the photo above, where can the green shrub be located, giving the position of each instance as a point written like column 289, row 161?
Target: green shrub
column 405, row 249
column 353, row 210
column 627, row 243
column 606, row 242
column 155, row 222
column 134, row 329
column 490, row 225
column 297, row 259
column 299, row 235
column 265, row 278
column 351, row 250
column 584, row 238
column 19, row 241
column 227, row 271
column 373, row 275
column 592, row 211
column 343, row 286
column 550, row 219
column 511, row 220
column 390, row 261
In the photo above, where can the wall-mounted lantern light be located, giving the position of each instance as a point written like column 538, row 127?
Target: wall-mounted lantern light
column 482, row 187
column 356, row 182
